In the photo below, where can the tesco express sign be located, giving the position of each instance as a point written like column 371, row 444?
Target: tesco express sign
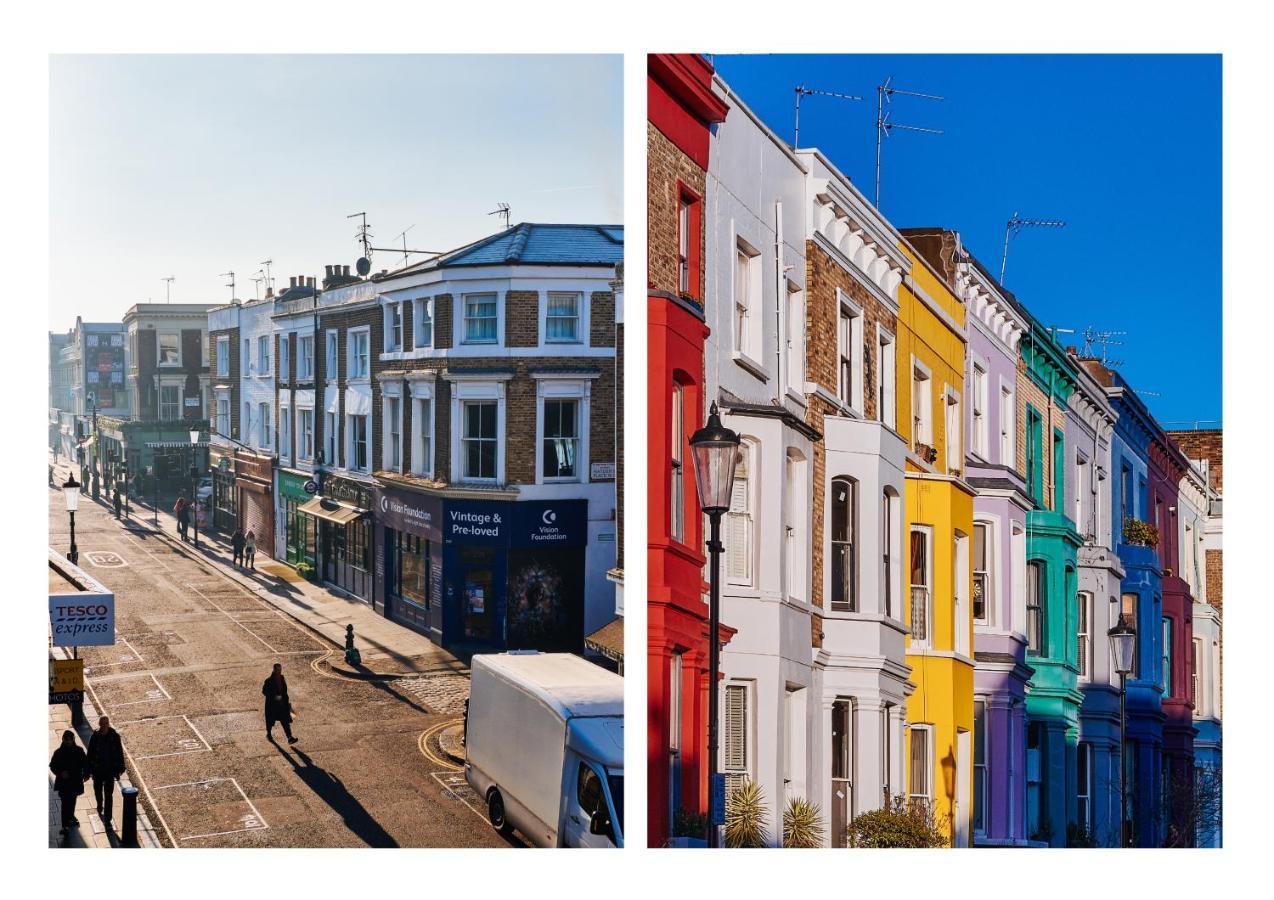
column 78, row 621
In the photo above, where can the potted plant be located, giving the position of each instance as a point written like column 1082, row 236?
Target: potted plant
column 745, row 824
column 802, row 824
column 1140, row 534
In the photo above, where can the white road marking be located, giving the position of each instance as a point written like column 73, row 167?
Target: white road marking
column 105, row 559
column 150, row 698
column 253, row 822
column 272, row 649
column 207, row 748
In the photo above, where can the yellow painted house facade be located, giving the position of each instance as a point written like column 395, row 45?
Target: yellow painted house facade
column 929, row 362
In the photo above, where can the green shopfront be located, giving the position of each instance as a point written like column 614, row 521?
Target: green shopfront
column 298, row 528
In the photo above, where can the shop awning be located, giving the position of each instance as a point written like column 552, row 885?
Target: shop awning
column 332, row 510
column 173, row 445
column 608, row 640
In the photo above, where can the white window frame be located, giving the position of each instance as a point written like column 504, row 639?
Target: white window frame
column 738, row 765
column 579, row 390
column 159, row 349
column 927, row 794
column 263, row 426
column 391, row 427
column 263, row 355
column 462, row 309
column 978, row 411
column 683, row 245
column 393, row 334
column 886, row 378
column 925, row 642
column 853, row 543
column 179, row 406
column 951, row 430
column 331, row 434
column 746, row 291
column 794, row 335
column 304, row 359
column 921, row 404
column 470, row 391
column 850, row 315
column 1084, row 610
column 581, row 318
column 357, row 372
column 223, row 356
column 351, row 449
column 1083, row 488
column 304, row 433
column 285, row 432
column 796, row 533
column 223, row 419
column 989, row 535
column 422, row 312
column 331, row 355
column 422, row 429
column 740, row 518
column 1008, row 427
column 285, row 354
column 962, row 615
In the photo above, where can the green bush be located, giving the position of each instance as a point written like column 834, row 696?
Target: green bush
column 745, row 824
column 802, row 824
column 689, row 824
column 1140, row 534
column 901, row 823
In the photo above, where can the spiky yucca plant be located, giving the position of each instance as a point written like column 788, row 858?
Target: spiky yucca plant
column 802, row 824
column 745, row 824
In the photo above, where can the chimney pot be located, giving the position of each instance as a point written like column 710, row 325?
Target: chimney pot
column 293, row 281
column 345, row 271
column 328, row 270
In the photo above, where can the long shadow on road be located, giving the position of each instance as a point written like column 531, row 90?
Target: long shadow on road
column 332, row 791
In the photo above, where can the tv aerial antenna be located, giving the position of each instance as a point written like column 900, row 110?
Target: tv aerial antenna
column 364, row 237
column 501, row 209
column 1016, row 224
column 805, row 91
column 230, row 283
column 1096, row 342
column 884, row 95
column 168, row 283
column 265, row 265
column 403, row 249
column 256, row 284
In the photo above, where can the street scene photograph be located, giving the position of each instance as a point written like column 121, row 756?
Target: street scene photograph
column 335, row 451
column 935, row 451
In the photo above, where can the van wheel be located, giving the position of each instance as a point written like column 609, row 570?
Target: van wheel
column 495, row 813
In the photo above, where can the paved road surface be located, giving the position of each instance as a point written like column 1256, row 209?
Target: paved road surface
column 183, row 686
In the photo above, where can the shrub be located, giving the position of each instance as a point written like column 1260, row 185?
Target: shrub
column 1140, row 534
column 745, row 824
column 901, row 823
column 802, row 824
column 305, row 570
column 686, row 823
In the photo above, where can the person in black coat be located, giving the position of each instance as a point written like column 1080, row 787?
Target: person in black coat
column 237, row 541
column 277, row 706
column 69, row 766
column 106, row 764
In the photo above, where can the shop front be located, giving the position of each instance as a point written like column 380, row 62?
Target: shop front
column 225, row 496
column 409, row 558
column 254, row 478
column 299, row 530
column 344, row 530
column 513, row 574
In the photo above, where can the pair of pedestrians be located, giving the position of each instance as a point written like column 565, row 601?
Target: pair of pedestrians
column 72, row 767
column 245, row 548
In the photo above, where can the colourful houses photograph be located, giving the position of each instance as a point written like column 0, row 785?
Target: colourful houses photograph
column 935, row 451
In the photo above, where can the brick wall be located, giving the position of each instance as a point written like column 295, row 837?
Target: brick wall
column 442, row 322
column 1212, row 571
column 665, row 166
column 1202, row 445
column 521, row 319
column 602, row 319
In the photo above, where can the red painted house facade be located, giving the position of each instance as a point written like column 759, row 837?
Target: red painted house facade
column 681, row 110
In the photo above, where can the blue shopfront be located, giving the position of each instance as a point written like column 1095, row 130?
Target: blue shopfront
column 485, row 575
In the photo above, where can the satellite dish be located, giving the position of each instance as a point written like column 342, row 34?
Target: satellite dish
column 364, row 265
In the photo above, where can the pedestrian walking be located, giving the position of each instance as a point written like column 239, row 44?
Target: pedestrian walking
column 278, row 708
column 106, row 765
column 118, row 502
column 69, row 766
column 182, row 511
column 237, row 540
column 250, row 550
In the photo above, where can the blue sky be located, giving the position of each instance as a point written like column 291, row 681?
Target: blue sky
column 1125, row 149
column 194, row 165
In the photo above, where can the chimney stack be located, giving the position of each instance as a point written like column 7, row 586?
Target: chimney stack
column 293, row 282
column 328, row 271
column 345, row 271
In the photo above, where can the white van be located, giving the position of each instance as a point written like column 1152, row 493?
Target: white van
column 544, row 744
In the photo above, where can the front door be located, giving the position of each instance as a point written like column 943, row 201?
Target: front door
column 477, row 600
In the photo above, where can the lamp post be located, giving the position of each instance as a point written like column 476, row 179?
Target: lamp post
column 71, row 491
column 714, row 449
column 194, row 481
column 1123, row 651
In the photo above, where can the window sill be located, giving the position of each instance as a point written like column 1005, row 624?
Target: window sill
column 750, row 365
column 796, row 396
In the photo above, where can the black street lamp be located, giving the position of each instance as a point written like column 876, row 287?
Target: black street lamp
column 715, row 450
column 194, row 481
column 1123, row 652
column 71, row 492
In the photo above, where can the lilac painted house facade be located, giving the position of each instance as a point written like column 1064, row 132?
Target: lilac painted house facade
column 1001, row 673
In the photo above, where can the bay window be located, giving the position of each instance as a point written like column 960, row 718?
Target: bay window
column 481, row 325
column 1035, row 600
column 562, row 318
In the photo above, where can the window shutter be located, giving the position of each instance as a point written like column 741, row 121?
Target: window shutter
column 737, row 546
column 734, row 745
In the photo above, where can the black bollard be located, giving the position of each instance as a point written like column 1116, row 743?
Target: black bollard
column 128, row 833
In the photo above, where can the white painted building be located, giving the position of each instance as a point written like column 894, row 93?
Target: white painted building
column 754, row 263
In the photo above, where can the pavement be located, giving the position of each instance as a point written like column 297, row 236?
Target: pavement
column 387, row 648
column 92, row 831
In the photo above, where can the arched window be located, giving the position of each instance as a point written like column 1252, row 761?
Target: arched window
column 844, row 545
